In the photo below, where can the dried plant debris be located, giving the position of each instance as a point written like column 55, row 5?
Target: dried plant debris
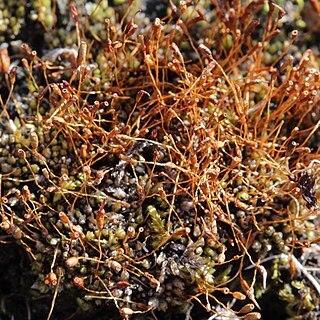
column 160, row 166
column 307, row 184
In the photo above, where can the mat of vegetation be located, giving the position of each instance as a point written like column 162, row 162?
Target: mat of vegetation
column 159, row 159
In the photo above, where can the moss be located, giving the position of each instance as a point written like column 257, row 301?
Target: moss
column 155, row 165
